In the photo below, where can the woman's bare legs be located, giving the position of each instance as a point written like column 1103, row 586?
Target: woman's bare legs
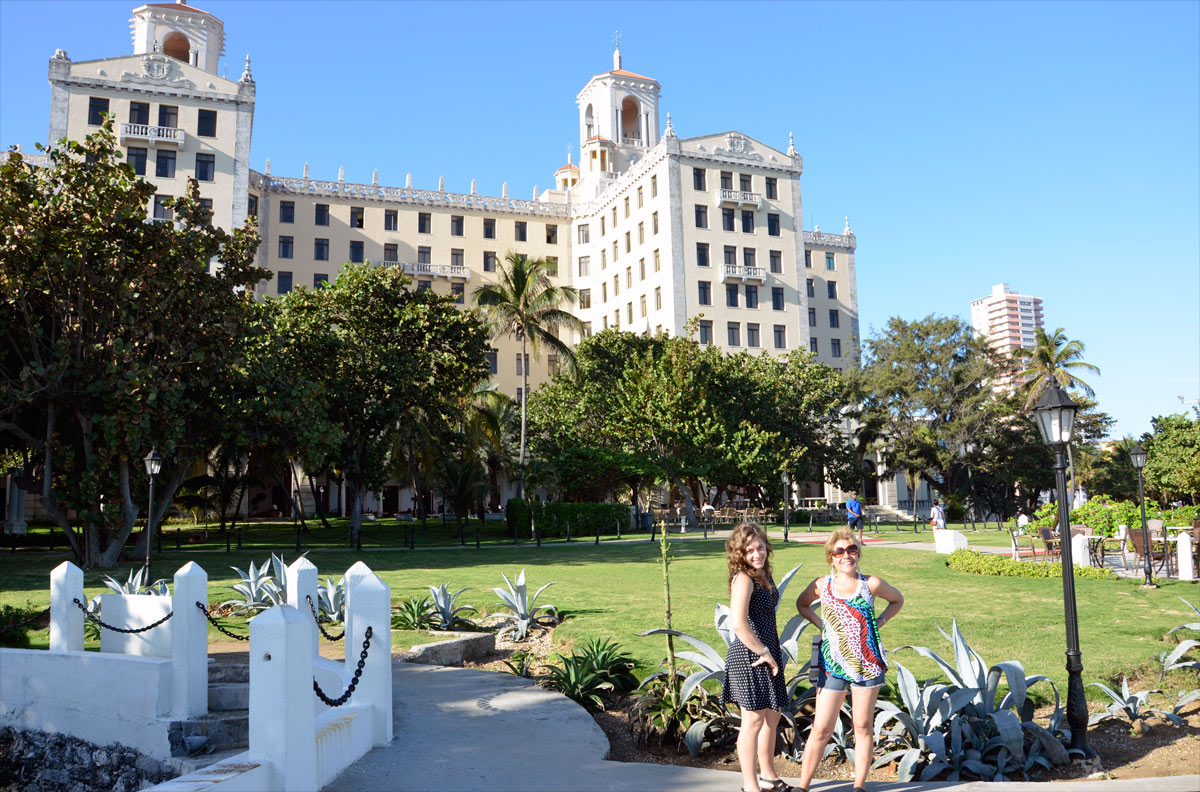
column 829, row 703
column 753, row 722
column 766, row 746
column 862, row 702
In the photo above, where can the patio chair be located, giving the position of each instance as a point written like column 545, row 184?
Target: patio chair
column 1016, row 544
column 1115, row 545
column 1050, row 545
column 1159, row 557
column 1155, row 527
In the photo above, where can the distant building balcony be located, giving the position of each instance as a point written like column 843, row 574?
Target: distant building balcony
column 154, row 135
column 436, row 270
column 742, row 272
column 631, row 141
column 740, row 198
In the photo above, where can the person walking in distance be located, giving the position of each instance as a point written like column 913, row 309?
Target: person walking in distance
column 852, row 655
column 854, row 515
column 754, row 663
column 937, row 516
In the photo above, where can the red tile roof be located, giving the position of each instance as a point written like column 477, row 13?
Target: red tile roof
column 597, row 137
column 568, row 166
column 624, row 73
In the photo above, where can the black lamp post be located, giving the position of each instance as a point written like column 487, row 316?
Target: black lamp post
column 1055, row 414
column 1137, row 455
column 153, row 462
column 786, row 478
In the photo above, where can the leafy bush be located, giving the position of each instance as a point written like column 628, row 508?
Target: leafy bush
column 584, row 518
column 577, row 679
column 1104, row 515
column 1003, row 566
column 444, row 610
column 606, row 657
column 519, row 664
column 18, row 637
column 524, row 610
column 414, row 613
column 516, row 516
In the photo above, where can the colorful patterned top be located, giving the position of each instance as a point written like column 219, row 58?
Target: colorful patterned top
column 851, row 649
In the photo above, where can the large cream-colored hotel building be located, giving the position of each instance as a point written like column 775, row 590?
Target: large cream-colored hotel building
column 652, row 228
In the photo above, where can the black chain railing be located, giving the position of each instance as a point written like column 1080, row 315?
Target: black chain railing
column 128, row 631
column 215, row 623
column 362, row 661
column 320, row 627
column 25, row 623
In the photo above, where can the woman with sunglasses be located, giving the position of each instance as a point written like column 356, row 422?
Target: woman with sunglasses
column 852, row 656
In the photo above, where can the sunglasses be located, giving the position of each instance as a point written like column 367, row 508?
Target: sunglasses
column 838, row 552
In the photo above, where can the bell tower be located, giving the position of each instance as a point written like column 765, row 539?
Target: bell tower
column 618, row 118
column 179, row 31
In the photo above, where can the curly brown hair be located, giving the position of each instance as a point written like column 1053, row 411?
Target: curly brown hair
column 735, row 550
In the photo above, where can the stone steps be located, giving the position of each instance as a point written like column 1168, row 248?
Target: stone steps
column 225, row 730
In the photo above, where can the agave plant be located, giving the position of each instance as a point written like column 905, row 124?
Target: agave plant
column 524, row 609
column 445, row 612
column 331, row 599
column 134, row 584
column 414, row 613
column 929, row 709
column 1132, row 706
column 91, row 630
column 519, row 664
column 579, row 680
column 606, row 657
column 258, row 589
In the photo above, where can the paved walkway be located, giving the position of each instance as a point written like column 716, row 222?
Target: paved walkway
column 461, row 730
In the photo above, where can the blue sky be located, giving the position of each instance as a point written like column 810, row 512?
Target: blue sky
column 1051, row 146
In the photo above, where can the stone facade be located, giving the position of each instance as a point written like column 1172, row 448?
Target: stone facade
column 37, row 760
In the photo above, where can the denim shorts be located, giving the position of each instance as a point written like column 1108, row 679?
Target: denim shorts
column 827, row 682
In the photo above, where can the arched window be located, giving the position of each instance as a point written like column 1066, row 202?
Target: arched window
column 631, row 121
column 177, row 46
column 589, row 124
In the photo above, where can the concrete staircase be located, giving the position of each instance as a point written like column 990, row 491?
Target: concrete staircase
column 225, row 730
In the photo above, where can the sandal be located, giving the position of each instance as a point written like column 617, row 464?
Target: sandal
column 779, row 785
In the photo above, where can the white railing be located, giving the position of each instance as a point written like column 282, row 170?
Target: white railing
column 631, row 141
column 742, row 271
column 153, row 134
column 439, row 270
column 739, row 197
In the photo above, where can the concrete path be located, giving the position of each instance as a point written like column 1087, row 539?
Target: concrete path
column 461, row 730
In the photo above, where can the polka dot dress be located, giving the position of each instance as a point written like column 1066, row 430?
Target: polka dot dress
column 755, row 688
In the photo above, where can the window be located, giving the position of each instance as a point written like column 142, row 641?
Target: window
column 835, row 347
column 829, row 263
column 777, row 298
column 287, row 209
column 614, row 216
column 458, row 291
column 641, row 233
column 833, row 318
column 491, row 358
column 642, row 305
column 654, row 186
column 702, row 254
column 748, row 257
column 752, row 335
column 164, row 164
column 551, row 234
column 137, row 160
column 97, row 107
column 206, row 167
column 808, row 259
column 207, row 205
column 584, row 234
column 629, row 277
column 586, row 332
column 747, row 222
column 776, row 261
column 639, row 197
column 320, row 280
column 489, row 228
column 658, row 298
column 812, row 317
column 585, row 265
column 772, row 225
column 780, row 337
column 585, row 298
column 321, row 215
column 706, row 335
column 751, row 296
column 252, row 206
column 489, row 261
column 657, row 263
column 727, row 219
column 283, row 282
column 139, row 113
column 356, row 252
column 808, row 284
column 629, row 313
column 456, row 225
column 321, row 250
column 522, row 363
column 812, row 345
column 698, row 182
column 616, row 285
column 654, row 223
column 206, row 125
column 520, row 231
column 746, row 184
column 772, row 188
column 602, row 226
column 161, row 210
column 424, row 285
column 552, row 261
column 701, row 216
column 731, row 295
column 733, row 331
column 627, row 206
column 615, row 251
column 552, row 366
column 424, row 223
column 831, row 287
column 705, row 294
column 168, row 116
column 603, row 259
column 627, row 242
column 456, row 257
column 391, row 220
column 641, row 269
column 424, row 255
column 617, row 319
column 726, row 180
column 604, row 294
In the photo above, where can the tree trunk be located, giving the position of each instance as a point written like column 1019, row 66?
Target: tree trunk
column 524, row 396
column 356, row 501
column 688, row 504
column 312, row 488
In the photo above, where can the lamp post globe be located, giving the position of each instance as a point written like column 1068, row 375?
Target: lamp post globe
column 153, row 462
column 1055, row 414
column 1137, row 456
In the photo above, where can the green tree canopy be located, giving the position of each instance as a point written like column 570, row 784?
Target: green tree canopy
column 1173, row 458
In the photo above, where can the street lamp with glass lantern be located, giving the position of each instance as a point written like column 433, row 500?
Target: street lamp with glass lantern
column 1137, row 455
column 786, row 479
column 153, row 463
column 1055, row 413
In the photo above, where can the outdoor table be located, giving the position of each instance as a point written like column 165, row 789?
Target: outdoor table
column 1095, row 549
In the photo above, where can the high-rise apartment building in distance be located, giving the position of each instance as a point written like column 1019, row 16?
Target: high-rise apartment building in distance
column 1007, row 319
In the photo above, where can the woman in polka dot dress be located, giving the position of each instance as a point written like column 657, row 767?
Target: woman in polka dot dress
column 754, row 664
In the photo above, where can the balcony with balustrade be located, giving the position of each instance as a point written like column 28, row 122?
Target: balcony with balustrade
column 739, row 198
column 632, row 141
column 449, row 271
column 741, row 272
column 153, row 135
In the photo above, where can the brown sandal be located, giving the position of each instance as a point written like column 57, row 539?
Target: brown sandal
column 779, row 785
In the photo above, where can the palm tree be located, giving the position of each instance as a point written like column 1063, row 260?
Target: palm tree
column 525, row 305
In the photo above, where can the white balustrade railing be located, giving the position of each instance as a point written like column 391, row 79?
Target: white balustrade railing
column 152, row 133
column 742, row 271
column 740, row 197
column 631, row 141
column 438, row 270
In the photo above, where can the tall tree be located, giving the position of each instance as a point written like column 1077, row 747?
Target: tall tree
column 1173, row 458
column 116, row 335
column 526, row 305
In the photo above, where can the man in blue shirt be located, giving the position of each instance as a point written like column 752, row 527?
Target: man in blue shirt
column 854, row 515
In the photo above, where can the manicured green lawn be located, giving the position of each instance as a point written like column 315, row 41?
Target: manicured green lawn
column 615, row 591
